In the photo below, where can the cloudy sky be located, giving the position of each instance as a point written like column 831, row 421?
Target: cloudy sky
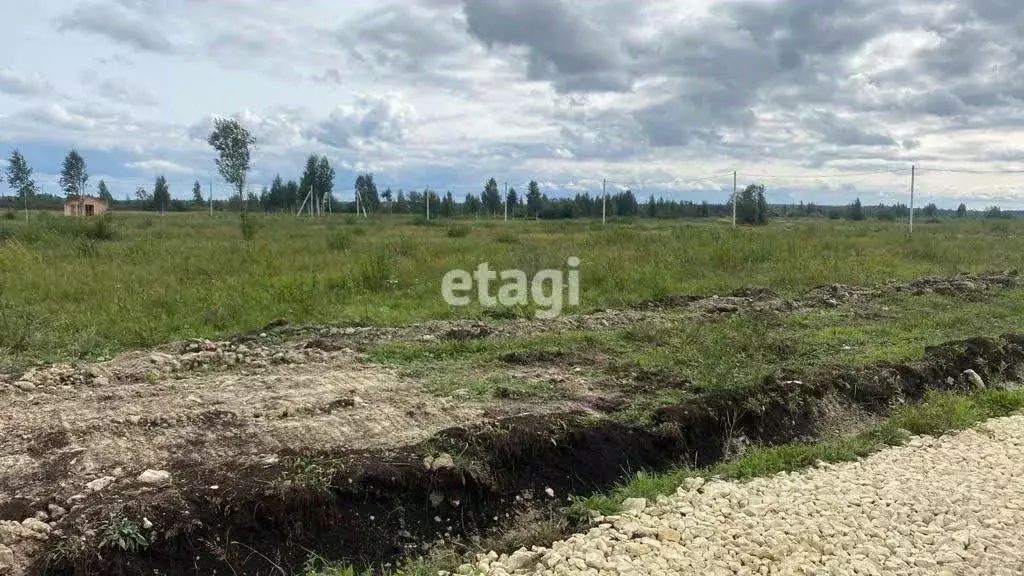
column 663, row 97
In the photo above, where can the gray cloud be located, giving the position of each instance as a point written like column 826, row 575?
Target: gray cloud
column 835, row 130
column 562, row 44
column 17, row 84
column 402, row 38
column 124, row 94
column 118, row 23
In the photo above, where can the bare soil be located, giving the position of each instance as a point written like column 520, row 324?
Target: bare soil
column 287, row 440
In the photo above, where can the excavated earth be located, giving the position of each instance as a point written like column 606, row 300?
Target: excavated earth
column 246, row 455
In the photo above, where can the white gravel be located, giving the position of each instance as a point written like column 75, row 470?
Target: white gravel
column 937, row 506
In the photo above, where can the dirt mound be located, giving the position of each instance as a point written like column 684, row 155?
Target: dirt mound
column 268, row 489
column 243, row 456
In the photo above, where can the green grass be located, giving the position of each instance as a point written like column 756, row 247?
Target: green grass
column 741, row 350
column 940, row 413
column 91, row 289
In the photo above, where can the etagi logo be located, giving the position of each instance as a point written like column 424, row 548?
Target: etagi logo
column 545, row 289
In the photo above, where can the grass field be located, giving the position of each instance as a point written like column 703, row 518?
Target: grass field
column 81, row 289
column 76, row 289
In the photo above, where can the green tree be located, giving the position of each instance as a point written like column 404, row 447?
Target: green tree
column 104, row 193
column 19, row 177
column 197, row 194
column 388, row 196
column 930, row 211
column 292, row 192
column 161, row 194
column 491, row 198
column 231, row 140
column 961, row 210
column 448, row 205
column 74, row 175
column 324, row 179
column 855, row 211
column 994, row 212
column 625, row 204
column 534, row 201
column 512, row 200
column 401, row 203
column 142, row 196
column 472, row 204
column 308, row 180
column 751, row 205
column 367, row 190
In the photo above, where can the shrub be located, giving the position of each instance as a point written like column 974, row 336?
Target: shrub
column 506, row 237
column 248, row 226
column 459, row 230
column 10, row 214
column 375, row 271
column 101, row 228
column 87, row 248
column 339, row 241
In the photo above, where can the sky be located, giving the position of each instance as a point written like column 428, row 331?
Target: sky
column 821, row 101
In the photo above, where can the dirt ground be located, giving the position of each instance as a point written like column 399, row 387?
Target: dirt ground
column 75, row 440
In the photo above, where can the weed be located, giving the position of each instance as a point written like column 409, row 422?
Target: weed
column 20, row 327
column 459, row 230
column 123, row 533
column 87, row 248
column 248, row 226
column 340, row 241
column 311, row 472
column 101, row 228
column 506, row 237
column 376, row 272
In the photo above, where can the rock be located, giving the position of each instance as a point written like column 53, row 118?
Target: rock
column 634, row 504
column 6, row 560
column 668, row 535
column 972, row 379
column 154, row 477
column 594, row 560
column 36, row 525
column 146, row 524
column 100, row 483
column 56, row 512
column 436, row 498
column 441, row 462
column 24, row 385
column 42, row 516
column 521, row 560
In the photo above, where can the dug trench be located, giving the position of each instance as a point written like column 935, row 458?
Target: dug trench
column 371, row 508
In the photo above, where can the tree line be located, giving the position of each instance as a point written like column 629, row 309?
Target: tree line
column 315, row 188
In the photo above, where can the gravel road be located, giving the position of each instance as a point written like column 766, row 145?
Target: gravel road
column 937, row 506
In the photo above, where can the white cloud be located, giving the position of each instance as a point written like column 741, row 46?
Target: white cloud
column 562, row 91
column 370, row 120
column 159, row 167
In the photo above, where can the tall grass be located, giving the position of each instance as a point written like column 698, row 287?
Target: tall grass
column 139, row 280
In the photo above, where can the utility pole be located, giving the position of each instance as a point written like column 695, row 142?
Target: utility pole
column 211, row 198
column 506, row 201
column 913, row 170
column 426, row 193
column 604, row 201
column 734, row 199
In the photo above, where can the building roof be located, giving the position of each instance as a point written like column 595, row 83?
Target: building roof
column 86, row 198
